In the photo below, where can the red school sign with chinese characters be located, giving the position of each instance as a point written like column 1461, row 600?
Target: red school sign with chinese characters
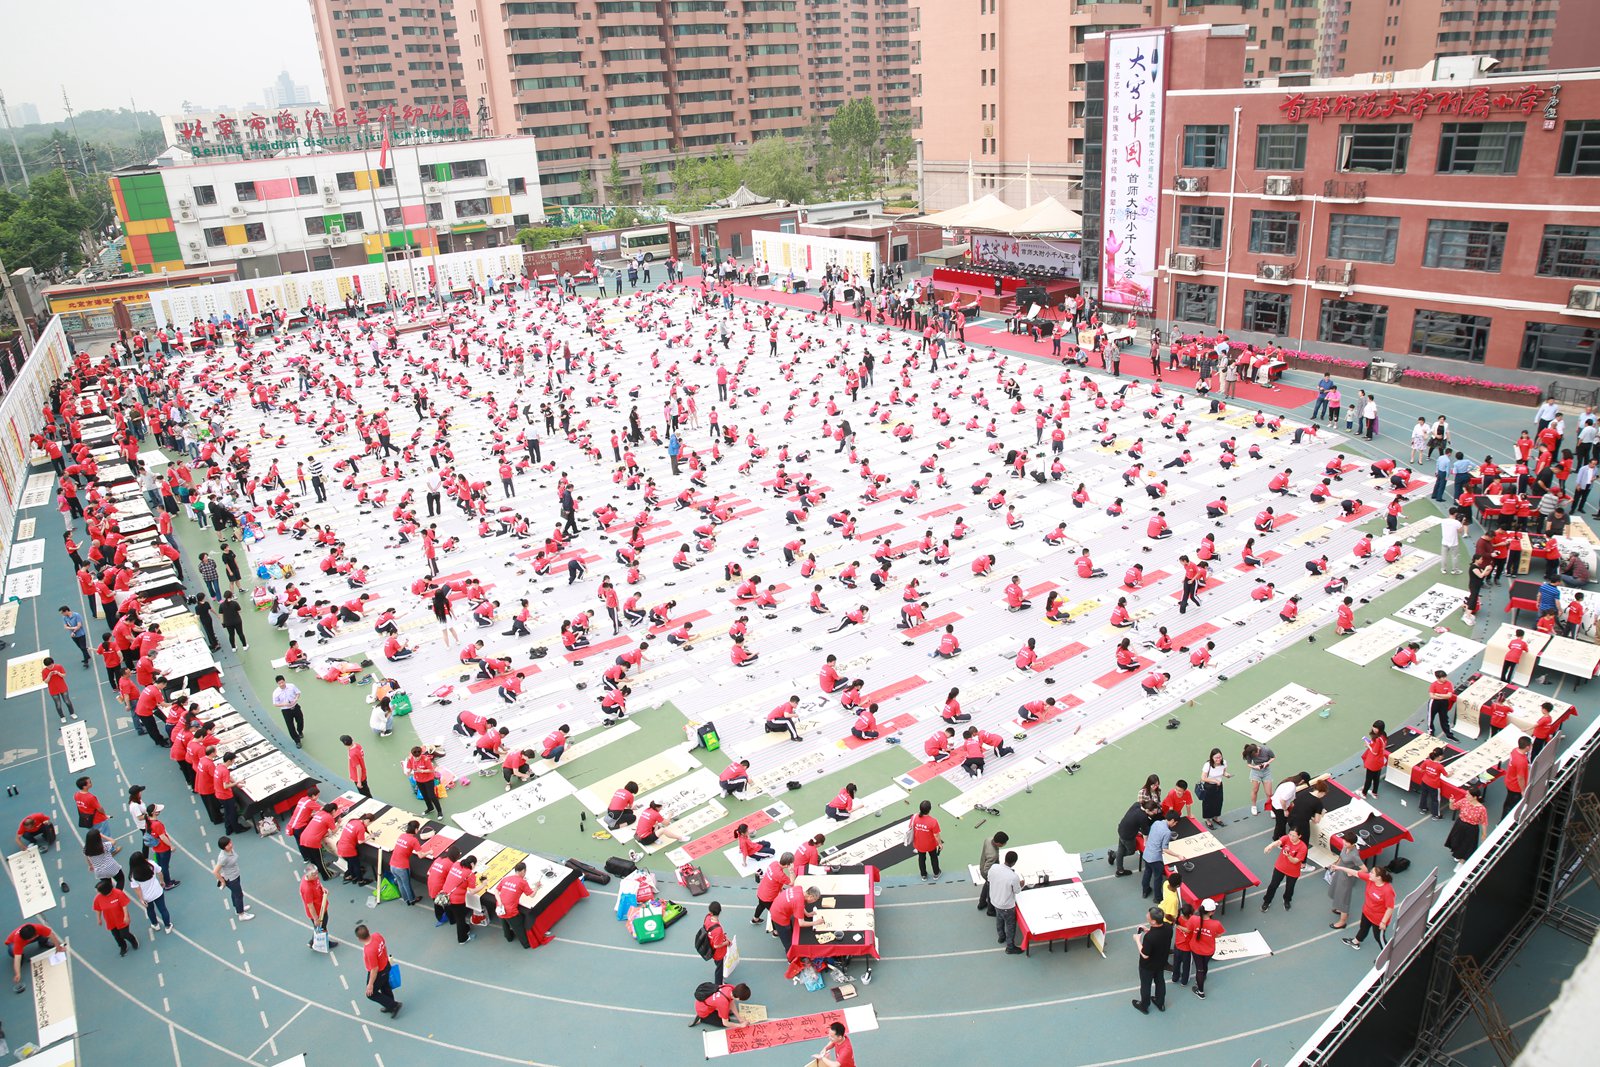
column 1473, row 103
column 315, row 122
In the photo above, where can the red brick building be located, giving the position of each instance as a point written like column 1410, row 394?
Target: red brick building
column 1447, row 217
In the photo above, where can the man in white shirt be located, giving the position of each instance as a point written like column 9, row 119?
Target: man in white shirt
column 1547, row 412
column 1282, row 799
column 286, row 698
column 1004, row 885
column 1450, row 532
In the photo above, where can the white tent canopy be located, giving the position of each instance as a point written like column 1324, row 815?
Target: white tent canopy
column 1047, row 216
column 995, row 216
column 975, row 215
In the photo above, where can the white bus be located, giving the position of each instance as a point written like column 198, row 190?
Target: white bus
column 651, row 243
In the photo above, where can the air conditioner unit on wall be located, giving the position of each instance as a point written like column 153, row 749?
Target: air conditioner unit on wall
column 236, row 211
column 183, row 203
column 1277, row 272
column 493, row 184
column 185, row 215
column 1188, row 185
column 330, row 198
column 1584, row 298
column 1280, row 185
column 433, row 190
column 1184, row 261
column 246, row 250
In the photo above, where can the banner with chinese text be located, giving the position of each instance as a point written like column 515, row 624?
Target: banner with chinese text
column 1135, row 98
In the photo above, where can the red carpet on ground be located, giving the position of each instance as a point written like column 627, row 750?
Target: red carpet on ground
column 1136, row 363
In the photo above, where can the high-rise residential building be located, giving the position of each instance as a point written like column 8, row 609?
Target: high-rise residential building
column 286, row 92
column 1445, row 215
column 616, row 91
column 1000, row 90
column 1390, row 35
column 25, row 114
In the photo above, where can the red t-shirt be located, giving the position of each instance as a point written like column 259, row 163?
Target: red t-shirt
column 1291, row 854
column 317, row 830
column 375, row 953
column 773, row 879
column 924, row 833
column 113, row 908
column 1379, row 899
column 312, row 895
column 16, row 943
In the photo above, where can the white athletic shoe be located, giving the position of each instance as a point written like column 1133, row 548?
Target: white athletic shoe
column 1253, row 810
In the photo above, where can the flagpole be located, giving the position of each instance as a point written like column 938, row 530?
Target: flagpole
column 422, row 190
column 400, row 210
column 377, row 221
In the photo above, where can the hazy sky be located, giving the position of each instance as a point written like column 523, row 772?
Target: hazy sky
column 158, row 52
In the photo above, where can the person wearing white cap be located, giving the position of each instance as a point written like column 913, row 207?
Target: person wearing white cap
column 1204, row 944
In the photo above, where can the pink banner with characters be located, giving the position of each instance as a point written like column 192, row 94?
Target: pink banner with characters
column 1135, row 97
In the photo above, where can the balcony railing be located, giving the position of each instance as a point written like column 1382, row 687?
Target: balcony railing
column 1333, row 189
column 1335, row 276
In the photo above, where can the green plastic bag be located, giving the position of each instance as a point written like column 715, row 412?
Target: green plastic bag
column 387, row 890
column 400, row 704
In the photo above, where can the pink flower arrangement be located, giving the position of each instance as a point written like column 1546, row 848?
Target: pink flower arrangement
column 1472, row 383
column 1296, row 356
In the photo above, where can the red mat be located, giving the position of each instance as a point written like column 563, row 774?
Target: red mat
column 888, row 692
column 948, row 509
column 1116, row 678
column 780, row 587
column 931, row 625
column 867, row 535
column 1211, row 583
column 1064, row 704
column 1150, row 578
column 722, row 837
column 1265, row 557
column 1360, row 513
column 673, row 624
column 1190, row 638
column 491, row 683
column 926, row 772
column 578, row 655
column 1060, row 655
column 774, row 1032
column 885, row 728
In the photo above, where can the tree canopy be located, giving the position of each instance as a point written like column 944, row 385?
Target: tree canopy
column 44, row 229
column 777, row 168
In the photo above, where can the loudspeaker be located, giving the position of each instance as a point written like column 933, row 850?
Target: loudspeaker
column 1029, row 295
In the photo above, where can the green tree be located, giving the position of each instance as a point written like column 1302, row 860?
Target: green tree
column 46, row 229
column 586, row 187
column 616, row 182
column 30, row 238
column 899, row 146
column 776, row 167
column 699, row 180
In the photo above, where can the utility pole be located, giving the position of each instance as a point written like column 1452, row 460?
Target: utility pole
column 26, row 184
column 72, row 122
column 138, row 126
column 16, row 310
column 61, row 158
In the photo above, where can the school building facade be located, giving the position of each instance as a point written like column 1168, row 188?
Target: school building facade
column 316, row 211
column 1446, row 217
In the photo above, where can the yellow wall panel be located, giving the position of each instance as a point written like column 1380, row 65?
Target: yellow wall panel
column 234, row 234
column 500, row 205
